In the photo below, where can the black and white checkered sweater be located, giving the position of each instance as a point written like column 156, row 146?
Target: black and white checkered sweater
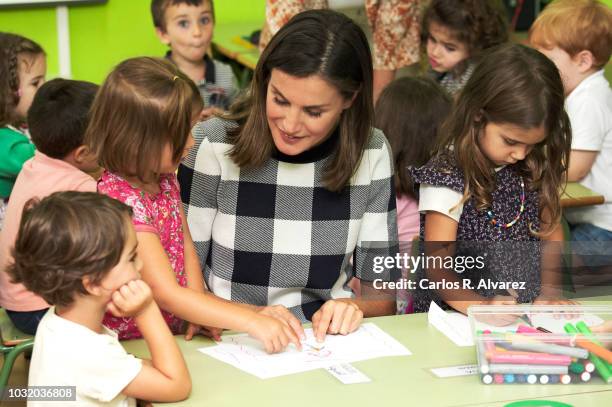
column 275, row 235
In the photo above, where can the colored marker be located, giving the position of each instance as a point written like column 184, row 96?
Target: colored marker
column 488, row 341
column 532, row 379
column 524, row 329
column 576, row 367
column 554, row 379
column 520, row 378
column 544, row 330
column 482, row 358
column 589, row 366
column 507, row 368
column 499, row 379
column 549, row 348
column 508, row 378
column 525, row 358
column 487, row 379
column 542, row 338
column 566, row 379
column 585, row 376
column 606, row 354
column 544, row 379
column 600, row 365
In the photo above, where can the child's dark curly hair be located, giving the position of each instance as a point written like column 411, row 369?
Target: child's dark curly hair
column 65, row 237
column 13, row 48
column 479, row 24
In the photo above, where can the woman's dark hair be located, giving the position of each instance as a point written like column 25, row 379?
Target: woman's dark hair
column 65, row 237
column 409, row 111
column 316, row 42
column 513, row 85
column 14, row 50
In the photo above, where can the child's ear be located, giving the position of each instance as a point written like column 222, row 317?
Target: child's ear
column 585, row 60
column 80, row 154
column 162, row 35
column 90, row 287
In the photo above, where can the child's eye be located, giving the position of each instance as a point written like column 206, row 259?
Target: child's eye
column 510, row 142
column 450, row 49
column 205, row 20
column 280, row 102
column 313, row 113
column 183, row 23
column 430, row 38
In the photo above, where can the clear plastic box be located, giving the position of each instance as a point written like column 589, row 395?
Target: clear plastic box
column 542, row 344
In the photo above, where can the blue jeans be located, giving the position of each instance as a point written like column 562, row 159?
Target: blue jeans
column 592, row 244
column 26, row 321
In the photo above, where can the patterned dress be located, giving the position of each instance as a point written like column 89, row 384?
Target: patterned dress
column 394, row 24
column 159, row 214
column 510, row 255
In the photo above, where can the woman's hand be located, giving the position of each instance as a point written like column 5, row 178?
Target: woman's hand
column 336, row 317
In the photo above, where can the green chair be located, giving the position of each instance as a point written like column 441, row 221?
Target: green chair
column 13, row 342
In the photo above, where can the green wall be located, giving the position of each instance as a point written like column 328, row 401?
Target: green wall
column 102, row 35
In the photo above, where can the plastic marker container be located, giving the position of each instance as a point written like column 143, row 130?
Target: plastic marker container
column 558, row 348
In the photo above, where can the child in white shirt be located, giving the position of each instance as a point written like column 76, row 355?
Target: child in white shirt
column 77, row 250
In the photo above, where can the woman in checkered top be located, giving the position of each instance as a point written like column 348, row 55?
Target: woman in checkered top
column 285, row 193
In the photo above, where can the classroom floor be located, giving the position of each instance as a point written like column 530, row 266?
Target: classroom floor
column 18, row 378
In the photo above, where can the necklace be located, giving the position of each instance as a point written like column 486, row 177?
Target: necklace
column 495, row 222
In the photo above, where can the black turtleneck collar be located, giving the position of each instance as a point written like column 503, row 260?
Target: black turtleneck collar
column 316, row 153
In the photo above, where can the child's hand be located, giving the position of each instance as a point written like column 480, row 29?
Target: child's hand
column 208, row 331
column 282, row 313
column 273, row 333
column 336, row 317
column 130, row 299
column 499, row 319
column 605, row 328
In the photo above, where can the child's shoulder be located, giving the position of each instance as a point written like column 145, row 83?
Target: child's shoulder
column 9, row 135
column 441, row 170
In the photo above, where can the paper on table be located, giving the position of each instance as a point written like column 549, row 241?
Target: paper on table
column 454, row 325
column 247, row 354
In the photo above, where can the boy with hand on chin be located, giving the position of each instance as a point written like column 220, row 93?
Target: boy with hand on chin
column 88, row 266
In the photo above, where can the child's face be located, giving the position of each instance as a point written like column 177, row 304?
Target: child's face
column 32, row 70
column 568, row 67
column 189, row 30
column 167, row 164
column 127, row 269
column 443, row 50
column 301, row 112
column 504, row 143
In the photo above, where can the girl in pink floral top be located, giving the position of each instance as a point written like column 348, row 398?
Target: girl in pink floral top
column 140, row 128
column 153, row 213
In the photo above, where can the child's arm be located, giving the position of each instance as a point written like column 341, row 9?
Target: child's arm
column 166, row 378
column 204, row 308
column 442, row 228
column 580, row 164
